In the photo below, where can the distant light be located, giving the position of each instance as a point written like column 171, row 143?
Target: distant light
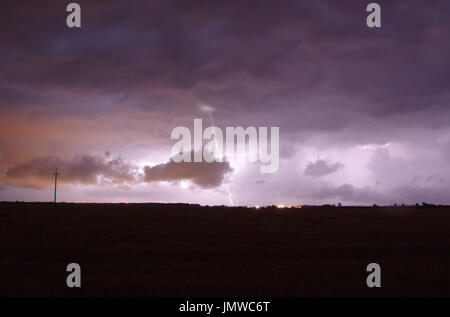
column 184, row 184
column 125, row 203
column 280, row 206
column 206, row 108
column 257, row 207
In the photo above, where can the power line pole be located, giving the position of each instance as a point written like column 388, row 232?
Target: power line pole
column 56, row 182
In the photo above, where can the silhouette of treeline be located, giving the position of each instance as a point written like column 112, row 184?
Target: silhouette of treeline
column 188, row 205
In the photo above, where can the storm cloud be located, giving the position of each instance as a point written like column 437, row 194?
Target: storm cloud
column 105, row 170
column 321, row 168
column 373, row 100
column 82, row 169
column 203, row 174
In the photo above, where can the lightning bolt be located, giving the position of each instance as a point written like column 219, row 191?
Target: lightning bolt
column 210, row 110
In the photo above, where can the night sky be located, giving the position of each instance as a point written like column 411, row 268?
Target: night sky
column 364, row 113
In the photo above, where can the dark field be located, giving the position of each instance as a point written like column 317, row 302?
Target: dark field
column 180, row 250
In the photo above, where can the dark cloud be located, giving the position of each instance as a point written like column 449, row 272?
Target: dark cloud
column 82, row 169
column 106, row 170
column 344, row 193
column 203, row 174
column 315, row 59
column 136, row 69
column 321, row 168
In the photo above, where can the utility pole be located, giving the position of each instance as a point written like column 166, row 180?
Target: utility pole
column 56, row 182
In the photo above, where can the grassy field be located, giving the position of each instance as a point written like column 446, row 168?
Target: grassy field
column 182, row 250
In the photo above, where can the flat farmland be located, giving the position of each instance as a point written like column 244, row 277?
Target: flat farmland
column 187, row 250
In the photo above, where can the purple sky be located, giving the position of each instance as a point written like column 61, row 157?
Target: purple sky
column 364, row 114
